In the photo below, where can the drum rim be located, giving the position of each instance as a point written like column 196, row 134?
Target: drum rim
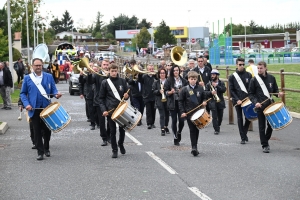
column 64, row 126
column 245, row 102
column 275, row 111
column 277, row 129
column 134, row 125
column 122, row 112
column 51, row 112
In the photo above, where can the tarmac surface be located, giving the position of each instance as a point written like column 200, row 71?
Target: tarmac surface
column 152, row 168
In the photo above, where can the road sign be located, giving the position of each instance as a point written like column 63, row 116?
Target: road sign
column 122, row 44
column 130, row 42
column 193, row 40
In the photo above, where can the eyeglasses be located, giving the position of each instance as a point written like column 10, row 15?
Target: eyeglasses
column 200, row 61
column 105, row 64
column 176, row 70
column 241, row 64
column 37, row 65
column 169, row 65
column 162, row 73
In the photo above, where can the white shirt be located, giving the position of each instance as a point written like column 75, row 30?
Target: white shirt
column 192, row 86
column 201, row 70
column 1, row 78
column 38, row 78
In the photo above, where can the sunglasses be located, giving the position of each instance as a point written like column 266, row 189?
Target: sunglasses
column 241, row 64
column 169, row 65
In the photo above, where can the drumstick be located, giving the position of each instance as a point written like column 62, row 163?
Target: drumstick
column 52, row 94
column 277, row 93
column 197, row 107
column 122, row 100
column 264, row 101
column 110, row 110
column 242, row 101
column 124, row 97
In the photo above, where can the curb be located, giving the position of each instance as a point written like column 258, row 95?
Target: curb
column 295, row 115
column 3, row 128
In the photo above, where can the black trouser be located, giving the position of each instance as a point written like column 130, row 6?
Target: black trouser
column 264, row 134
column 104, row 133
column 86, row 108
column 31, row 132
column 38, row 126
column 242, row 128
column 217, row 118
column 91, row 111
column 194, row 133
column 150, row 112
column 174, row 115
column 138, row 103
column 20, row 76
column 163, row 116
column 96, row 117
column 113, row 132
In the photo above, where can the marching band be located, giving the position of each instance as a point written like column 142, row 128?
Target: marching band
column 194, row 95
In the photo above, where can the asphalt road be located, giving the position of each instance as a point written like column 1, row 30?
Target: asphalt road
column 152, row 168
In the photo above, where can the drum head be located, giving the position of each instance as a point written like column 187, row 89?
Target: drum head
column 197, row 114
column 50, row 109
column 274, row 107
column 246, row 103
column 119, row 111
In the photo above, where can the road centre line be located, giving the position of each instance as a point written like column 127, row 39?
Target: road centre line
column 161, row 162
column 200, row 194
column 133, row 139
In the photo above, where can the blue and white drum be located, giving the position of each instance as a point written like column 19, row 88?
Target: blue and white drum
column 55, row 117
column 248, row 108
column 278, row 116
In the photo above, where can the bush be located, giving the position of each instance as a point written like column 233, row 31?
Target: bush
column 16, row 54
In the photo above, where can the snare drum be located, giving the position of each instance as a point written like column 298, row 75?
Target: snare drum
column 278, row 116
column 201, row 119
column 55, row 117
column 126, row 116
column 248, row 108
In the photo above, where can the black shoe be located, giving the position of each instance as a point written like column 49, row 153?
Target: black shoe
column 104, row 143
column 149, row 126
column 47, row 153
column 153, row 126
column 93, row 128
column 98, row 126
column 109, row 140
column 167, row 130
column 195, row 152
column 122, row 149
column 8, row 108
column 163, row 133
column 246, row 139
column 216, row 132
column 176, row 143
column 40, row 157
column 33, row 147
column 115, row 154
column 266, row 149
column 243, row 142
column 88, row 120
column 3, row 108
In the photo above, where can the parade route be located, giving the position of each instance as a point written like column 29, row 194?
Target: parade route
column 152, row 168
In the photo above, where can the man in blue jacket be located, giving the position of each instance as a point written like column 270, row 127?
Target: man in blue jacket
column 35, row 97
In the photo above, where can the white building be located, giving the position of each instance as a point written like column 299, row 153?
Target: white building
column 76, row 35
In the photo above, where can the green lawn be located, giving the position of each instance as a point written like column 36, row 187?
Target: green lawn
column 291, row 81
column 14, row 96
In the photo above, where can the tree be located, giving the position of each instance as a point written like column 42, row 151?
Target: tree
column 163, row 35
column 122, row 22
column 109, row 36
column 143, row 38
column 3, row 20
column 98, row 24
column 144, row 23
column 56, row 25
column 3, row 46
column 98, row 35
column 67, row 21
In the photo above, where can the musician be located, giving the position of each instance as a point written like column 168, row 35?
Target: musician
column 239, row 87
column 55, row 71
column 158, row 91
column 172, row 87
column 97, row 80
column 259, row 90
column 110, row 100
column 206, row 63
column 190, row 97
column 191, row 66
column 216, row 87
column 204, row 75
column 38, row 98
column 147, row 81
column 252, row 68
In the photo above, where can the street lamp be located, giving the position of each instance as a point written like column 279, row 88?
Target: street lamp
column 245, row 35
column 189, row 33
column 28, row 54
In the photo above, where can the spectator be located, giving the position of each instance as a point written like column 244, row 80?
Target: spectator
column 20, row 69
column 6, row 83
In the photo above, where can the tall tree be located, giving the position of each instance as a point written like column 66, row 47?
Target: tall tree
column 122, row 22
column 98, row 24
column 3, row 46
column 143, row 37
column 144, row 23
column 56, row 25
column 163, row 35
column 67, row 21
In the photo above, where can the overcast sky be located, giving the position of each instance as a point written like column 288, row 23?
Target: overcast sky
column 175, row 12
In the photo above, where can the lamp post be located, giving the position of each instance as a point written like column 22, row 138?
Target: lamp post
column 245, row 36
column 9, row 41
column 27, row 27
column 189, row 33
column 72, row 33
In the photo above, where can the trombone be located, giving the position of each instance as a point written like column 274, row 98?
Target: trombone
column 202, row 80
column 216, row 98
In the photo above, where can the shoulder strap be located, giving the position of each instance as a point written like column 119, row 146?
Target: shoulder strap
column 113, row 88
column 263, row 86
column 240, row 82
column 39, row 86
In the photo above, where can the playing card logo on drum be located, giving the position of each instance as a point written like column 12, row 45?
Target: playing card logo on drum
column 121, row 87
column 271, row 85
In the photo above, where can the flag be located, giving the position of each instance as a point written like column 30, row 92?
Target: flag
column 61, row 60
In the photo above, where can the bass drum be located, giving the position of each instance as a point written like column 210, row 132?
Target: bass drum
column 201, row 119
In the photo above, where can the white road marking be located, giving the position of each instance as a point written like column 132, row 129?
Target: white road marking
column 200, row 194
column 161, row 162
column 133, row 139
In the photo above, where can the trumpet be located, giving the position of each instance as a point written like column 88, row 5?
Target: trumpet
column 216, row 98
column 163, row 98
column 202, row 80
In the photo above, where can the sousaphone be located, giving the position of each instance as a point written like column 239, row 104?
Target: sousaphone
column 41, row 52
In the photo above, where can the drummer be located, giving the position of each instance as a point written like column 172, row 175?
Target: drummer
column 259, row 89
column 238, row 87
column 190, row 97
column 110, row 94
column 38, row 98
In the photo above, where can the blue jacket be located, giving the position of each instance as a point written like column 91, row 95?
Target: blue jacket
column 30, row 95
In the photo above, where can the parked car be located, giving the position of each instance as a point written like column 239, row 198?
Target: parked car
column 160, row 55
column 73, row 83
column 296, row 51
column 192, row 55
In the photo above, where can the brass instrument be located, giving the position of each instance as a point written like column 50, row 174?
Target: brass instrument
column 83, row 63
column 135, row 71
column 216, row 98
column 202, row 80
column 163, row 95
column 179, row 56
